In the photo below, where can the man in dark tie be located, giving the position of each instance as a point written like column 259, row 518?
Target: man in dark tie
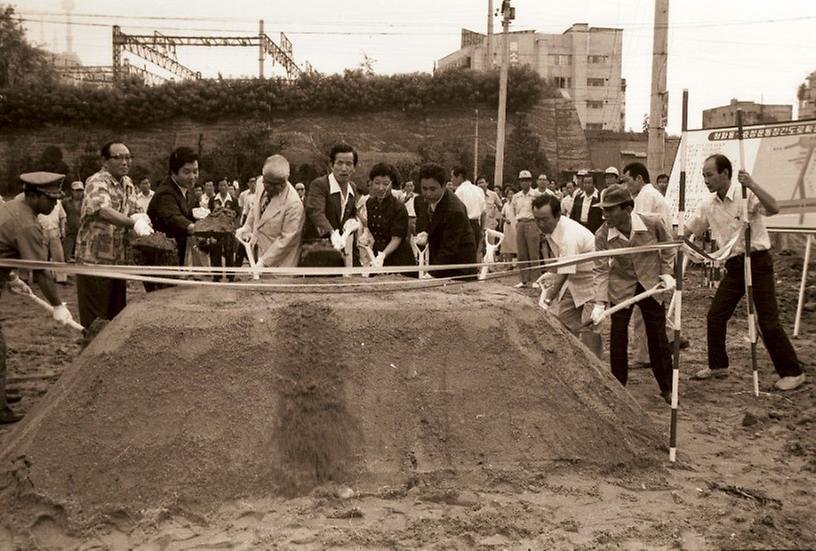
column 443, row 225
column 330, row 201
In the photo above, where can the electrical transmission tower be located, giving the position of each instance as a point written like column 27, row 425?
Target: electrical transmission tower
column 160, row 50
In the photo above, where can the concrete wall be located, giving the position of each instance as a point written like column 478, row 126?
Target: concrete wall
column 620, row 148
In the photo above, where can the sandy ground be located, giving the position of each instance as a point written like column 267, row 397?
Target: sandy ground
column 746, row 475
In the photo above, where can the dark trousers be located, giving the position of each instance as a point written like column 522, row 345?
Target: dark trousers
column 100, row 297
column 654, row 319
column 728, row 295
column 477, row 233
column 224, row 247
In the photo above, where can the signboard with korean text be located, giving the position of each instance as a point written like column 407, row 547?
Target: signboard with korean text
column 781, row 158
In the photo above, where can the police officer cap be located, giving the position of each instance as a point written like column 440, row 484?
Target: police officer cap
column 47, row 183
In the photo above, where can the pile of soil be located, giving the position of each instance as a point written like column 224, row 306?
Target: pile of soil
column 216, row 224
column 156, row 241
column 191, row 400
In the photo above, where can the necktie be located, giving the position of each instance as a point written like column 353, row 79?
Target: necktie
column 264, row 202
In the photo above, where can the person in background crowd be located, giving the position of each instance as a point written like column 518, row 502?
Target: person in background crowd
column 170, row 210
column 21, row 237
column 53, row 225
column 145, row 194
column 571, row 289
column 300, row 188
column 246, row 197
column 662, row 183
column 509, row 246
column 722, row 212
column 586, row 207
column 72, row 207
column 198, row 194
column 568, row 194
column 108, row 211
column 528, row 243
column 275, row 218
column 493, row 204
column 611, row 176
column 387, row 219
column 222, row 251
column 209, row 193
column 474, row 200
column 443, row 224
column 409, row 198
column 625, row 276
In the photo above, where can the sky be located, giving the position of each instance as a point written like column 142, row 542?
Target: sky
column 753, row 50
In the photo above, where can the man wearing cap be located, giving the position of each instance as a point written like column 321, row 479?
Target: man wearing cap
column 72, row 206
column 276, row 217
column 611, row 176
column 625, row 276
column 21, row 237
column 723, row 213
column 527, row 235
column 586, row 208
column 109, row 210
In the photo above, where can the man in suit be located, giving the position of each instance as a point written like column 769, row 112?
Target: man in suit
column 586, row 208
column 331, row 200
column 170, row 209
column 275, row 217
column 443, row 224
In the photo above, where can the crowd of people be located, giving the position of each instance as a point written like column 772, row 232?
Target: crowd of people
column 383, row 221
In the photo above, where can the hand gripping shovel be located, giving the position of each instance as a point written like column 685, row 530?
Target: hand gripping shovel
column 72, row 324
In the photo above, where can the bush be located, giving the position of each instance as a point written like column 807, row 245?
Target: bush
column 134, row 105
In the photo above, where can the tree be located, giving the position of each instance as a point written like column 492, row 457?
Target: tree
column 20, row 62
column 241, row 154
column 523, row 151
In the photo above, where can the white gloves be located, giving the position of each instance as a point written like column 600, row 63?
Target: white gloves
column 337, row 241
column 668, row 281
column 141, row 224
column 244, row 235
column 62, row 315
column 200, row 213
column 19, row 286
column 422, row 239
column 597, row 313
column 379, row 260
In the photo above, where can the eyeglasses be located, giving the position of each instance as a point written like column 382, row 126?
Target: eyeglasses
column 126, row 158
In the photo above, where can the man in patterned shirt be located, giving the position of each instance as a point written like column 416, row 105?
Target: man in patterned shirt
column 108, row 211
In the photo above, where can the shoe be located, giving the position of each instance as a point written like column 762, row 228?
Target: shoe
column 7, row 416
column 536, row 285
column 520, row 285
column 707, row 373
column 790, row 383
column 666, row 395
column 641, row 365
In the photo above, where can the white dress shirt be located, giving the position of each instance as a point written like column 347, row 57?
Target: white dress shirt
column 474, row 199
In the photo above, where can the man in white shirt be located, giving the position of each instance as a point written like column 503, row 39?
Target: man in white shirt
column 209, row 193
column 493, row 204
column 571, row 288
column 246, row 197
column 569, row 196
column 474, row 200
column 145, row 194
column 527, row 235
column 53, row 225
column 722, row 212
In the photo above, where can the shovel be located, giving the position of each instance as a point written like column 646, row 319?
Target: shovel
column 248, row 246
column 659, row 288
column 72, row 324
column 490, row 250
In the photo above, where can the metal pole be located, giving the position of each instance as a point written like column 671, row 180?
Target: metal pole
column 678, row 290
column 656, row 149
column 802, row 286
column 749, row 285
column 117, row 54
column 500, row 128
column 476, row 150
column 260, row 48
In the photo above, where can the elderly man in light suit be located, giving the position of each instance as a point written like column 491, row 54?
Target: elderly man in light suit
column 276, row 217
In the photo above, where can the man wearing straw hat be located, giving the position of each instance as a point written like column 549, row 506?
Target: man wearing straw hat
column 21, row 237
column 722, row 213
column 625, row 276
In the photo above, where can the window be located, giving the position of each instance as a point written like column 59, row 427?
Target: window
column 597, row 59
column 591, row 104
column 596, row 82
column 594, row 126
column 561, row 59
column 563, row 82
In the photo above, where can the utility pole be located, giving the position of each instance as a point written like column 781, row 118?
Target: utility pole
column 508, row 14
column 476, row 150
column 656, row 151
column 260, row 49
column 489, row 54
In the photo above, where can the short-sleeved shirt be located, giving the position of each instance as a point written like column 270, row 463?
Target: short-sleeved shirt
column 725, row 217
column 523, row 204
column 570, row 238
column 21, row 235
column 474, row 199
column 98, row 241
column 651, row 201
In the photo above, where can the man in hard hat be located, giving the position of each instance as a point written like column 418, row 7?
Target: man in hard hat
column 21, row 237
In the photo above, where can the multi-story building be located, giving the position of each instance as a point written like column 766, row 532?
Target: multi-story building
column 807, row 98
column 752, row 113
column 584, row 62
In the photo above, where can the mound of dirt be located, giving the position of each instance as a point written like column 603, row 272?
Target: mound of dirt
column 156, row 241
column 192, row 400
column 220, row 223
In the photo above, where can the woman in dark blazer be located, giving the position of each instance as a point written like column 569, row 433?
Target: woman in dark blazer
column 388, row 219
